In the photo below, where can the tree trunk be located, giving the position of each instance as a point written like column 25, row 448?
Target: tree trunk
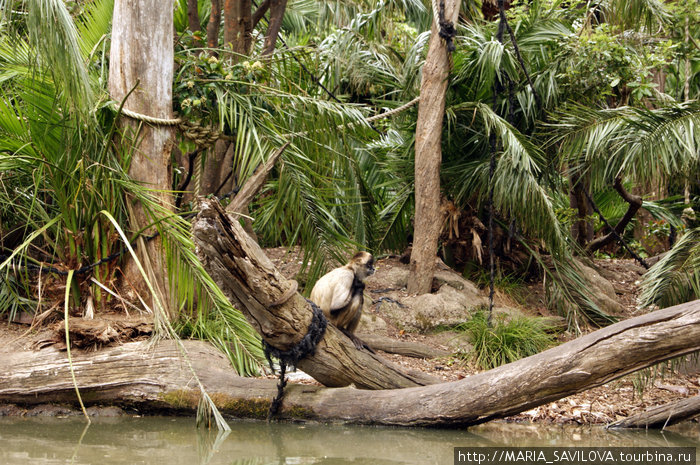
column 237, row 27
column 277, row 8
column 215, row 168
column 213, row 25
column 281, row 315
column 582, row 229
column 150, row 378
column 662, row 416
column 431, row 110
column 193, row 16
column 141, row 58
column 405, row 348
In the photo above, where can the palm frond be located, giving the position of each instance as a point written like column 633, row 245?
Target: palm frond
column 53, row 33
column 638, row 142
column 662, row 141
column 675, row 278
column 518, row 192
column 92, row 24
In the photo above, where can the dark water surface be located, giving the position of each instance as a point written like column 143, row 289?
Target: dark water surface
column 176, row 441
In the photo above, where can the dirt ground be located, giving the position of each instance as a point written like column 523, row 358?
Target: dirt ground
column 601, row 405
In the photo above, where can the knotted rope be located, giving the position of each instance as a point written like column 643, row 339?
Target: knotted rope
column 202, row 136
column 446, row 29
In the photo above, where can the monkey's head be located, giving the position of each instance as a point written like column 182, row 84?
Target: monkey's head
column 362, row 263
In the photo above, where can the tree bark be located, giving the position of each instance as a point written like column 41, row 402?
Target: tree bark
column 277, row 8
column 582, row 229
column 193, row 16
column 215, row 168
column 238, row 27
column 431, row 110
column 213, row 25
column 260, row 13
column 635, row 203
column 281, row 315
column 661, row 416
column 151, row 378
column 141, row 58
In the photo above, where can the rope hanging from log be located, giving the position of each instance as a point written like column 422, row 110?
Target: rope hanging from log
column 290, row 358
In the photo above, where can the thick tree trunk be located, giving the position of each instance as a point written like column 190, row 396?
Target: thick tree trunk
column 214, row 24
column 431, row 109
column 193, row 16
column 215, row 167
column 662, row 416
column 141, row 58
column 281, row 315
column 405, row 348
column 156, row 378
column 238, row 26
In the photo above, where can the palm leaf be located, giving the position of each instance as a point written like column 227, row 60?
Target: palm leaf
column 675, row 278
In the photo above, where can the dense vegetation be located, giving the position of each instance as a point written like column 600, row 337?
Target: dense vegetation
column 603, row 103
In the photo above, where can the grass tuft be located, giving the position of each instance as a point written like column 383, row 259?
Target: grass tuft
column 506, row 339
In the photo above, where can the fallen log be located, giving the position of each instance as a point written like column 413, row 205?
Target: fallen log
column 146, row 377
column 158, row 379
column 405, row 348
column 280, row 314
column 661, row 416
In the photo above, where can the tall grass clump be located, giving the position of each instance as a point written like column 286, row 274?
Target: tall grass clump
column 506, row 339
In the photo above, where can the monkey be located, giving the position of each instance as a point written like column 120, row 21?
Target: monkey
column 340, row 294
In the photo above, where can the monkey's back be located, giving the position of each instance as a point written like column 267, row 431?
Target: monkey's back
column 333, row 293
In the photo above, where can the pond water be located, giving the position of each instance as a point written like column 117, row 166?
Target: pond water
column 175, row 441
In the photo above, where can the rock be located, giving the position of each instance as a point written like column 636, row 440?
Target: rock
column 105, row 412
column 394, row 277
column 448, row 306
column 51, row 410
column 602, row 291
column 371, row 322
column 10, row 410
column 454, row 280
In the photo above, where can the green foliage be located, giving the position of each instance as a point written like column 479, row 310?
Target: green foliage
column 606, row 65
column 505, row 340
column 341, row 184
column 62, row 179
column 675, row 278
column 511, row 284
column 203, row 79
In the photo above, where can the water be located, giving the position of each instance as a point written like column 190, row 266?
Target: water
column 176, row 441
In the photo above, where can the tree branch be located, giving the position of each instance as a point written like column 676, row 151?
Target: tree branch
column 635, row 203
